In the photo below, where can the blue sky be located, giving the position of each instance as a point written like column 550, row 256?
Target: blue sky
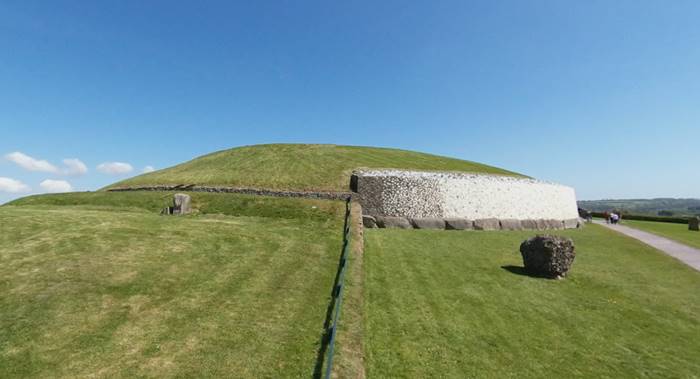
column 600, row 95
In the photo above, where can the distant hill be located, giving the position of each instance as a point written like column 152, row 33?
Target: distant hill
column 305, row 167
column 652, row 207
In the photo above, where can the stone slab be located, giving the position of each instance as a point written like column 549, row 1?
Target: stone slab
column 428, row 223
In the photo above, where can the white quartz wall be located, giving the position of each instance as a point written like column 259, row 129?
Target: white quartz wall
column 415, row 194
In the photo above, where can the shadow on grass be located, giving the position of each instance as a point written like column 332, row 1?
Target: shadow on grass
column 518, row 270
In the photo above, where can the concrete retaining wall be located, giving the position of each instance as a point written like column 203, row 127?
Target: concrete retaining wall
column 430, row 195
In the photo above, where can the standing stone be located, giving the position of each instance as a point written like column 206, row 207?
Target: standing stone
column 182, row 204
column 694, row 224
column 549, row 256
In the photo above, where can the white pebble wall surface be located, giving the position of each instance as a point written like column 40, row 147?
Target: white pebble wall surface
column 415, row 194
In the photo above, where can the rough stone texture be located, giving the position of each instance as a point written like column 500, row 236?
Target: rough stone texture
column 487, row 224
column 571, row 223
column 369, row 221
column 428, row 223
column 393, row 222
column 459, row 224
column 549, row 256
column 416, row 194
column 529, row 224
column 511, row 225
column 694, row 224
column 554, row 224
column 541, row 224
column 182, row 204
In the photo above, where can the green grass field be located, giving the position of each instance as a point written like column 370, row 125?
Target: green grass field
column 677, row 232
column 105, row 287
column 441, row 304
column 99, row 285
column 297, row 167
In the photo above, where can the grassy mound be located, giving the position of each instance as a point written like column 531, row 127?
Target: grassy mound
column 458, row 305
column 297, row 167
column 100, row 285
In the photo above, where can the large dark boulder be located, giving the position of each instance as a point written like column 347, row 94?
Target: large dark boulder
column 548, row 256
column 694, row 224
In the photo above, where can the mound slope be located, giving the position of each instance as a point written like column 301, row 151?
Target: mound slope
column 298, row 167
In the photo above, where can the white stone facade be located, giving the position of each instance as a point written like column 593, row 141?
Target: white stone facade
column 414, row 194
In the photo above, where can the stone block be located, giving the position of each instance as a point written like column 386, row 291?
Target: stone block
column 554, row 224
column 369, row 221
column 694, row 224
column 428, row 223
column 511, row 225
column 529, row 224
column 572, row 223
column 393, row 222
column 459, row 224
column 487, row 224
column 541, row 224
column 182, row 204
column 549, row 256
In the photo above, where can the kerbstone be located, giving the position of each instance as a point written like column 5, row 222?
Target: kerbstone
column 511, row 225
column 571, row 223
column 393, row 222
column 487, row 224
column 459, row 224
column 529, row 224
column 369, row 221
column 428, row 223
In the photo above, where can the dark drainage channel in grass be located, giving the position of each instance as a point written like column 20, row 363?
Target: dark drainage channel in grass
column 330, row 325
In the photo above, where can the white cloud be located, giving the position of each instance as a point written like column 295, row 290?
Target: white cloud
column 148, row 169
column 55, row 186
column 12, row 185
column 74, row 166
column 31, row 164
column 115, row 168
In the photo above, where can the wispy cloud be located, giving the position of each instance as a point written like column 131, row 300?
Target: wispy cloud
column 13, row 185
column 74, row 166
column 55, row 186
column 148, row 169
column 30, row 163
column 115, row 168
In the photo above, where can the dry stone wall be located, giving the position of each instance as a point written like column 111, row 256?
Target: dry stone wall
column 482, row 202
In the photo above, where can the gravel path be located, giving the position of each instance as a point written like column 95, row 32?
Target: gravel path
column 683, row 253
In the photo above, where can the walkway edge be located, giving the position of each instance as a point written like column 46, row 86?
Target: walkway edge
column 684, row 253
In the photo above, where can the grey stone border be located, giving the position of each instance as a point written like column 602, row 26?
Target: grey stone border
column 241, row 190
column 464, row 224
